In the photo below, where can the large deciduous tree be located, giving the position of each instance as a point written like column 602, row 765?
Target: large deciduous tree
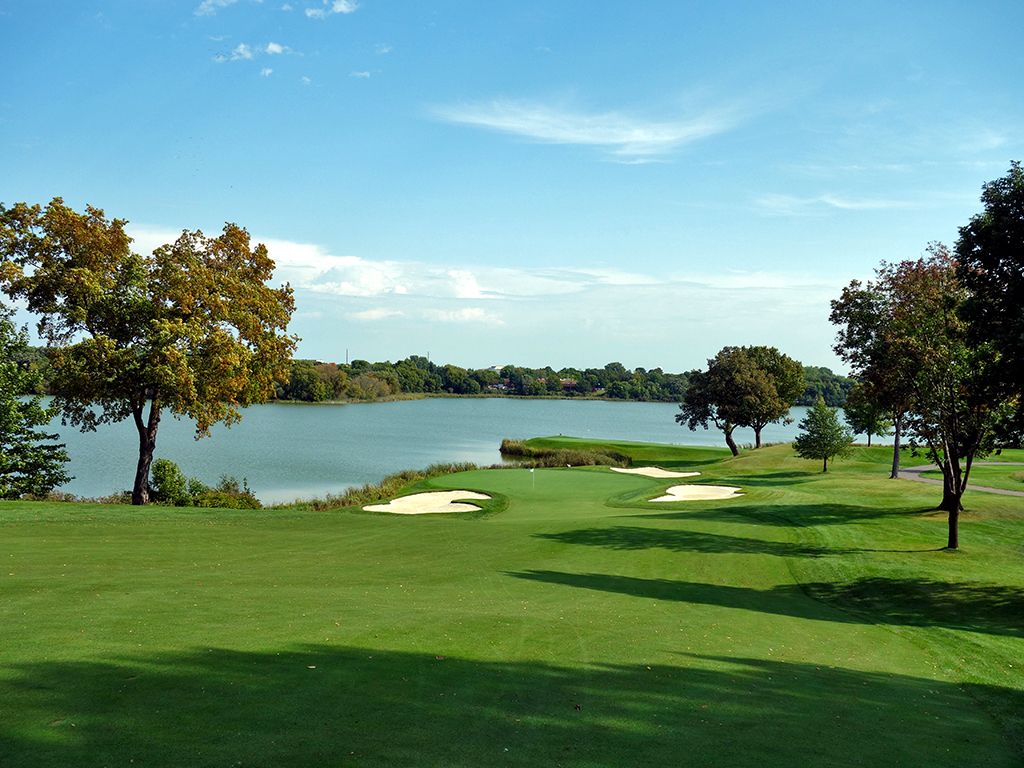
column 867, row 341
column 990, row 264
column 30, row 463
column 742, row 387
column 955, row 403
column 192, row 328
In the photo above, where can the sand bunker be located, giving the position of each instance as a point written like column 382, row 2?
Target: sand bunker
column 653, row 472
column 434, row 502
column 699, row 493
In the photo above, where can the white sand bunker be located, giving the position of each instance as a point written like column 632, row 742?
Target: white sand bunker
column 699, row 493
column 431, row 503
column 653, row 472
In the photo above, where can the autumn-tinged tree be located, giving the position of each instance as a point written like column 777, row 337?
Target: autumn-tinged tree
column 191, row 328
column 822, row 436
column 30, row 462
column 763, row 405
column 950, row 383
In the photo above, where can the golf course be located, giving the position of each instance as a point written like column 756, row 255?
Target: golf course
column 565, row 621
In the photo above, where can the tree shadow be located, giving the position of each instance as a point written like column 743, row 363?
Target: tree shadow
column 634, row 538
column 986, row 608
column 325, row 705
column 790, row 515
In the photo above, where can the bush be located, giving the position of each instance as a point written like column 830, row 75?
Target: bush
column 168, row 484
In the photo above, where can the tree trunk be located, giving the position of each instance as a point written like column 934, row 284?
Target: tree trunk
column 952, row 493
column 147, row 445
column 824, row 467
column 897, row 430
column 869, row 439
column 730, row 442
column 757, row 437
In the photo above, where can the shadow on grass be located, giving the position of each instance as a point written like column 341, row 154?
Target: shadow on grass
column 633, row 538
column 990, row 609
column 788, row 515
column 324, row 705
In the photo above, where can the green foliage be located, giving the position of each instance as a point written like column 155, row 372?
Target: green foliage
column 743, row 386
column 990, row 264
column 822, row 382
column 168, row 484
column 865, row 415
column 822, row 436
column 30, row 463
column 192, row 327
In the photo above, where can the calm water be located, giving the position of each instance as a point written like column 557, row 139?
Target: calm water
column 289, row 451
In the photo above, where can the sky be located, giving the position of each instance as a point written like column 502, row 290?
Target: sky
column 534, row 182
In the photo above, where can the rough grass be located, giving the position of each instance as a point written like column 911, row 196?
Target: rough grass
column 813, row 621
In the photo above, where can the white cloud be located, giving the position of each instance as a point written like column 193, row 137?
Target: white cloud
column 210, row 7
column 287, row 7
column 377, row 313
column 275, row 48
column 242, row 52
column 623, row 135
column 360, row 75
column 382, row 48
column 464, row 315
column 266, row 72
column 306, row 80
column 331, row 8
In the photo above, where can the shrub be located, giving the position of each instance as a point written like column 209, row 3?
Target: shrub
column 168, row 484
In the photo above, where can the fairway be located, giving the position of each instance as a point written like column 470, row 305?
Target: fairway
column 812, row 621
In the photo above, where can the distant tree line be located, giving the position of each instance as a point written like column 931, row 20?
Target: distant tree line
column 316, row 381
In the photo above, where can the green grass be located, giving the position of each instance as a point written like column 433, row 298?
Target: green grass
column 1010, row 478
column 812, row 621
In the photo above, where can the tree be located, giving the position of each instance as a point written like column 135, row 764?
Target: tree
column 822, row 436
column 867, row 340
column 29, row 462
column 191, row 328
column 990, row 264
column 775, row 382
column 919, row 349
column 742, row 387
column 864, row 414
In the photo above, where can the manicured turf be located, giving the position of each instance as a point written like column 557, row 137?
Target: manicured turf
column 1009, row 477
column 814, row 621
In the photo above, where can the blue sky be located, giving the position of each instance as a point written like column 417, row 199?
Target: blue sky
column 562, row 183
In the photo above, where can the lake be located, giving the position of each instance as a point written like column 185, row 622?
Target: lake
column 299, row 450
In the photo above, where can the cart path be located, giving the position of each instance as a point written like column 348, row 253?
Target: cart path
column 914, row 473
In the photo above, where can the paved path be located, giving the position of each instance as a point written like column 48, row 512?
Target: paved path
column 914, row 473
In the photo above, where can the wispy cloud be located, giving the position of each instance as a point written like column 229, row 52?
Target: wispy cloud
column 360, row 75
column 376, row 313
column 791, row 205
column 382, row 48
column 332, row 7
column 275, row 49
column 463, row 315
column 625, row 136
column 210, row 7
column 266, row 72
